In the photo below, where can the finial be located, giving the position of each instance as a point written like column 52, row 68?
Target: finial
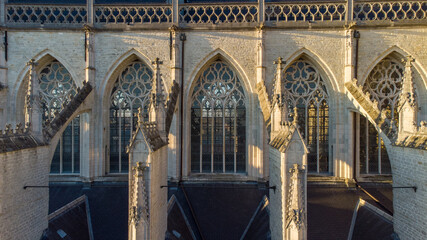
column 32, row 63
column 157, row 62
column 173, row 28
column 408, row 60
column 279, row 61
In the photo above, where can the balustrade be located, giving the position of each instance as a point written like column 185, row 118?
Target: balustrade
column 133, row 14
column 193, row 14
column 295, row 12
column 218, row 13
column 390, row 10
column 41, row 14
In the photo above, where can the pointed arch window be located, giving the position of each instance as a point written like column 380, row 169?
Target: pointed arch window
column 131, row 91
column 305, row 90
column 218, row 121
column 384, row 85
column 56, row 86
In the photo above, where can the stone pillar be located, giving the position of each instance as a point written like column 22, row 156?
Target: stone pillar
column 261, row 6
column 260, row 152
column 288, row 154
column 147, row 199
column 33, row 105
column 2, row 12
column 87, row 151
column 174, row 136
column 342, row 155
column 86, row 160
column 407, row 101
column 3, row 77
column 296, row 216
column 158, row 111
column 175, row 11
column 90, row 11
column 138, row 201
column 278, row 105
column 90, row 54
column 350, row 54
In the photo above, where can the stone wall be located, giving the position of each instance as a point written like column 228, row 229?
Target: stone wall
column 409, row 168
column 23, row 212
column 276, row 197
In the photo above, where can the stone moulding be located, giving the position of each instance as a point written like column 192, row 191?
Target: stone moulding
column 380, row 117
column 264, row 102
column 171, row 104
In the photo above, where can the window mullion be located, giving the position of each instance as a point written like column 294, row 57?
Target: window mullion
column 120, row 138
column 212, row 137
column 201, row 138
column 223, row 138
column 317, row 138
column 367, row 145
column 235, row 138
column 379, row 154
column 60, row 154
column 72, row 146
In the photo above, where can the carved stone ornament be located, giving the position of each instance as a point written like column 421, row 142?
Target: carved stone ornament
column 135, row 213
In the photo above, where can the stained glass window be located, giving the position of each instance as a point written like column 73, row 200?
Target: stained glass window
column 305, row 90
column 384, row 85
column 56, row 85
column 131, row 91
column 218, row 122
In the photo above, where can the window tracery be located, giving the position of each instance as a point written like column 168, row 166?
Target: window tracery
column 56, row 86
column 306, row 90
column 131, row 91
column 218, row 121
column 384, row 85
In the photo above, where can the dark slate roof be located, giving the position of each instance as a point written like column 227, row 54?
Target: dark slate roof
column 371, row 223
column 178, row 223
column 71, row 221
column 330, row 208
column 259, row 226
column 221, row 210
column 108, row 206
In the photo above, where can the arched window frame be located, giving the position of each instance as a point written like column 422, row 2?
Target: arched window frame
column 238, row 166
column 384, row 85
column 305, row 88
column 56, row 86
column 123, row 103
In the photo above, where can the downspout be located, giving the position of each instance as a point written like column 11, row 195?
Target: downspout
column 182, row 37
column 356, row 36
